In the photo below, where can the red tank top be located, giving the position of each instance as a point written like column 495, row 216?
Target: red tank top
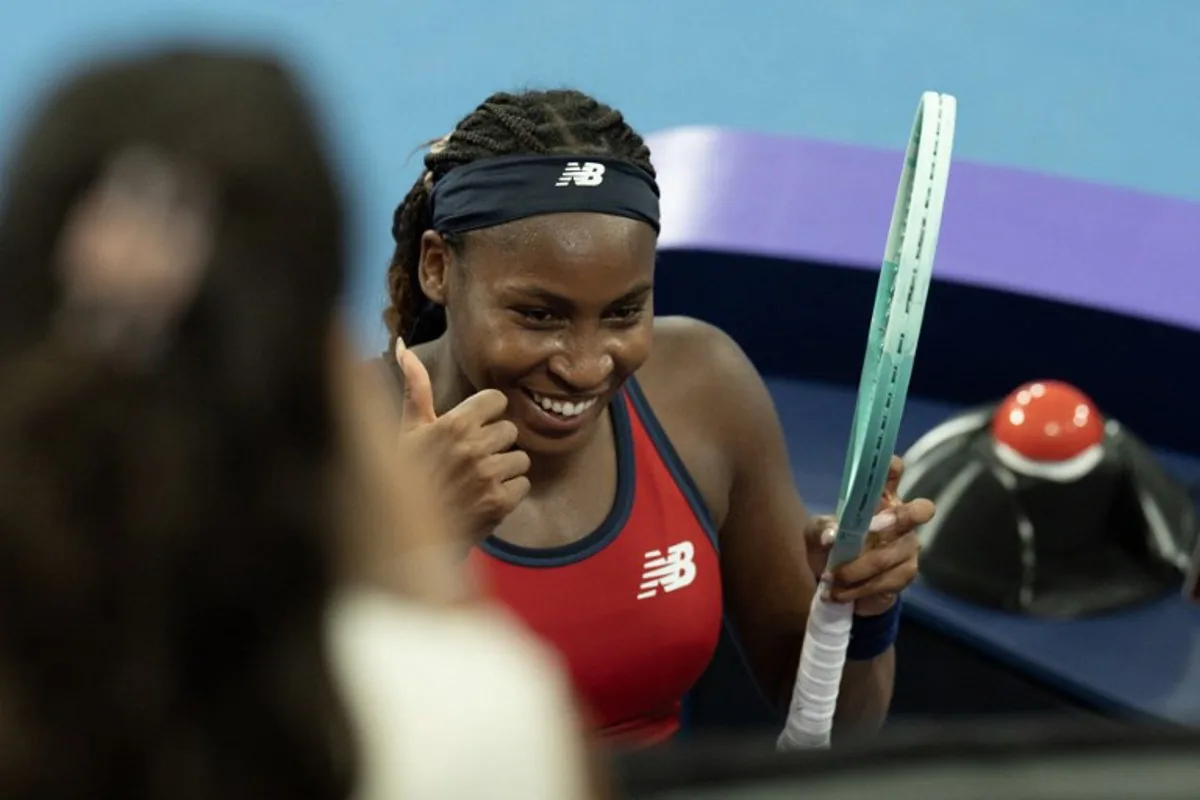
column 635, row 607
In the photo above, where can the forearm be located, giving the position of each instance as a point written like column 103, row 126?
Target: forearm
column 864, row 696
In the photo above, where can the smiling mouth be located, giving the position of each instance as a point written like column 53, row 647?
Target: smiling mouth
column 564, row 409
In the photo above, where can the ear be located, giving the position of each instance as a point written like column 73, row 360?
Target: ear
column 435, row 266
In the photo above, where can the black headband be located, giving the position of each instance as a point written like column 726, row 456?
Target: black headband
column 502, row 189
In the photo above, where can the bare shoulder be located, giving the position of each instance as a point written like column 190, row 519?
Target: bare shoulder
column 711, row 401
column 686, row 346
column 696, row 363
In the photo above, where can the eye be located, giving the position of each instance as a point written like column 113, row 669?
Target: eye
column 628, row 313
column 536, row 315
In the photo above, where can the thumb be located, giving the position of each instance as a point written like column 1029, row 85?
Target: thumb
column 418, row 391
column 821, row 530
column 827, row 536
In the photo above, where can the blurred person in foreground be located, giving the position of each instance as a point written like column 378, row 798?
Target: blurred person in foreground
column 207, row 586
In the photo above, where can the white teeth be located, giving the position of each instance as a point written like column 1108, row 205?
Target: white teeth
column 563, row 409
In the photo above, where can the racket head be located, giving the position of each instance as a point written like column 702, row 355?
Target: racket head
column 895, row 321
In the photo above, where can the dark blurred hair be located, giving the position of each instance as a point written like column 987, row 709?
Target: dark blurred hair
column 166, row 534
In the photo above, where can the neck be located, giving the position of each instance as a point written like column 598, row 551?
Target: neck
column 549, row 470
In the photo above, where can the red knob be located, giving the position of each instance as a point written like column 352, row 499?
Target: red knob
column 1048, row 421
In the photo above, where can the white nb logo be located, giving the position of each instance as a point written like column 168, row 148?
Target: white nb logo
column 672, row 572
column 588, row 173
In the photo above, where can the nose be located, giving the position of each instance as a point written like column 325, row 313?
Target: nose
column 585, row 365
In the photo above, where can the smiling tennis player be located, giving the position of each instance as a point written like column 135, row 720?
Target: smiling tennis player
column 628, row 476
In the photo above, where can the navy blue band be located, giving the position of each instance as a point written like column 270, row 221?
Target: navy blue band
column 492, row 191
column 871, row 637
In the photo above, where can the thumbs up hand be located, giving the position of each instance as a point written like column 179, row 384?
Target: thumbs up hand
column 418, row 390
column 468, row 451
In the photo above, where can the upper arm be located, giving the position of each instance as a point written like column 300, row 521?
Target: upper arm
column 767, row 581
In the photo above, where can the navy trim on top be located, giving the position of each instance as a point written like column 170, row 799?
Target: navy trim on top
column 675, row 465
column 609, row 529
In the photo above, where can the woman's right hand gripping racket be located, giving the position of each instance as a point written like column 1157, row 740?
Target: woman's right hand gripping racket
column 891, row 345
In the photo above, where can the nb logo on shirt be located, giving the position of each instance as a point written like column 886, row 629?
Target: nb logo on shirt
column 588, row 173
column 668, row 573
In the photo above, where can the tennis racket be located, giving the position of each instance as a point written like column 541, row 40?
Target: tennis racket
column 882, row 390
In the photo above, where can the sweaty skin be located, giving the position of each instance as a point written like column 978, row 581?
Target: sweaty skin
column 561, row 305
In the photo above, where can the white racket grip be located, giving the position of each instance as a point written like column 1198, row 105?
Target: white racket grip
column 814, row 698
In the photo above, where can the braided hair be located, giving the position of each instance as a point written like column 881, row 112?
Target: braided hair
column 533, row 122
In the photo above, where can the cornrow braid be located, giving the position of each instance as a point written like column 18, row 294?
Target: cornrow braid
column 533, row 122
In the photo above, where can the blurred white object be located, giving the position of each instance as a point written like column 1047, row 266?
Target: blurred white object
column 453, row 703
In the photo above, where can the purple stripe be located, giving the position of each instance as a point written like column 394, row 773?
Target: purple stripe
column 1092, row 245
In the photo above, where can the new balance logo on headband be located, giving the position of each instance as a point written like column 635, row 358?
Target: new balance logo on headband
column 589, row 173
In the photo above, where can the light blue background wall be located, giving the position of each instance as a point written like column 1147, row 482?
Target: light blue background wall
column 1107, row 90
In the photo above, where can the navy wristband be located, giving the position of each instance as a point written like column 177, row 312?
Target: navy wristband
column 870, row 637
